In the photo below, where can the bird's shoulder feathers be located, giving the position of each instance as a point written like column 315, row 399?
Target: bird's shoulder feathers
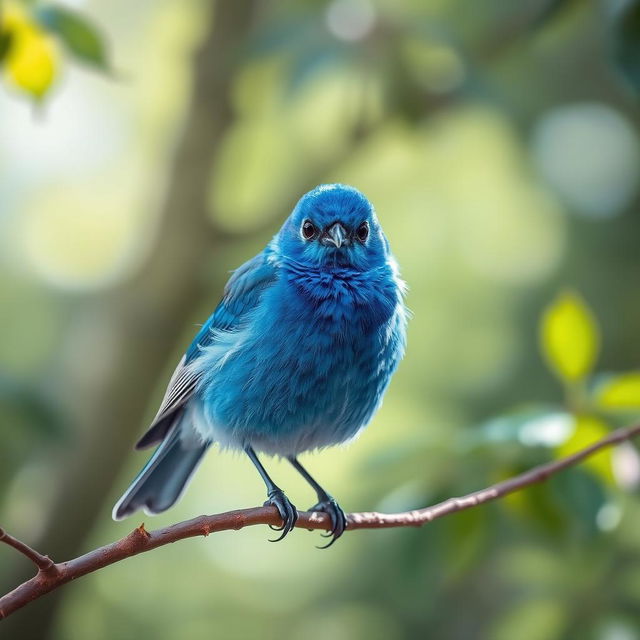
column 241, row 294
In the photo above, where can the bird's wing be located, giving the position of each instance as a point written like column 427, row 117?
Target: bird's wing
column 241, row 295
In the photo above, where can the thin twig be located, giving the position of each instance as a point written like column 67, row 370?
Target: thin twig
column 51, row 576
column 44, row 563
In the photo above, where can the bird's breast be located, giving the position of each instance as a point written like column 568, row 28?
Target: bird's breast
column 341, row 300
column 314, row 363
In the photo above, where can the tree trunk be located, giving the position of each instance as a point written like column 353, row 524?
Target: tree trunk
column 136, row 324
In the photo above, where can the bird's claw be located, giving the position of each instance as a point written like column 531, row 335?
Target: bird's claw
column 337, row 516
column 287, row 511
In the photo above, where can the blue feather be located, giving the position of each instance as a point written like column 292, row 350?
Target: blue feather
column 240, row 295
column 299, row 352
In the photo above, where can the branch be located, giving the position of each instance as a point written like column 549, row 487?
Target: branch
column 51, row 575
column 43, row 563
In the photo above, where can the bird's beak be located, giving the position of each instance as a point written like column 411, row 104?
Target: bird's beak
column 336, row 235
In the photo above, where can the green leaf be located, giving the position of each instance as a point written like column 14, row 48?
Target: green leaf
column 81, row 38
column 6, row 40
column 620, row 392
column 535, row 507
column 581, row 496
column 626, row 42
column 569, row 337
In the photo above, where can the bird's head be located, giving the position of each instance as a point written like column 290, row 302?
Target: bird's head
column 334, row 225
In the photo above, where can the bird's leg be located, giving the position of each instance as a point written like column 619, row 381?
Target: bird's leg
column 276, row 497
column 326, row 504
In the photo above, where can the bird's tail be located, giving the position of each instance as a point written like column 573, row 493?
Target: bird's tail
column 163, row 479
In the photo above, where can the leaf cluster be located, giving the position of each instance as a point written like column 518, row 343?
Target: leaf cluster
column 34, row 38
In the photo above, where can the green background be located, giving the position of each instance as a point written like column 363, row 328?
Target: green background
column 499, row 144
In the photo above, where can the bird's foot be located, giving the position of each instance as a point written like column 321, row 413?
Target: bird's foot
column 337, row 516
column 287, row 511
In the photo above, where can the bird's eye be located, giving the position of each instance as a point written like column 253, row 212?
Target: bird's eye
column 308, row 230
column 362, row 232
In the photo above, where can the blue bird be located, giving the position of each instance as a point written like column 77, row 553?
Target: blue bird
column 296, row 357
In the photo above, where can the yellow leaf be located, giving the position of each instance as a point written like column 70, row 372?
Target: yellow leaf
column 587, row 431
column 33, row 59
column 621, row 392
column 519, row 501
column 569, row 337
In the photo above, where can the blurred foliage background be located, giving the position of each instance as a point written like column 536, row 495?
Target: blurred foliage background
column 148, row 148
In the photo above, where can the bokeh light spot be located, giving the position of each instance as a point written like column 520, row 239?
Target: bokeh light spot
column 77, row 241
column 608, row 517
column 589, row 153
column 350, row 20
column 437, row 67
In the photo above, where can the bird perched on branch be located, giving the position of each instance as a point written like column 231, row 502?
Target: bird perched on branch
column 296, row 356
